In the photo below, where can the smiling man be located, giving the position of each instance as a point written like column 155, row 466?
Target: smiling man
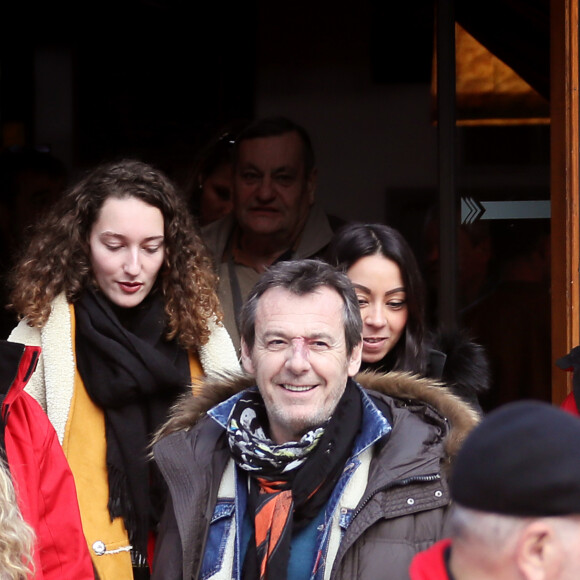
column 295, row 470
column 300, row 359
column 274, row 218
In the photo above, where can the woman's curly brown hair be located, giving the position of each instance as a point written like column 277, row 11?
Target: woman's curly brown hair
column 57, row 258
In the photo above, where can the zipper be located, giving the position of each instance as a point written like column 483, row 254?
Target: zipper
column 32, row 365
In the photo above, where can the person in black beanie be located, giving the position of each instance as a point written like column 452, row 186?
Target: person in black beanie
column 516, row 488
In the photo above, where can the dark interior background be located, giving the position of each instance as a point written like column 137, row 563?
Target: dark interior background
column 155, row 79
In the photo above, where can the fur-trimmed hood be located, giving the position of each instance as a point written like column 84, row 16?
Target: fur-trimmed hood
column 466, row 366
column 403, row 387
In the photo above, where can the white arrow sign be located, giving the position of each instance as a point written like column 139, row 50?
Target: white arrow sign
column 472, row 210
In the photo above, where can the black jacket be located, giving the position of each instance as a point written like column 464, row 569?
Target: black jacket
column 455, row 361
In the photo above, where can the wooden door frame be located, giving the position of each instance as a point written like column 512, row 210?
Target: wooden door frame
column 565, row 192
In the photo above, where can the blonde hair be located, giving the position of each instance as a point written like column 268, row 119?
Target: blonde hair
column 16, row 536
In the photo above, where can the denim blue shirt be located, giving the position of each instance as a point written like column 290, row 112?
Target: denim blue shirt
column 315, row 536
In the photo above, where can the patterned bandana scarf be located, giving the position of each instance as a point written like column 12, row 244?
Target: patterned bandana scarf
column 253, row 451
column 290, row 482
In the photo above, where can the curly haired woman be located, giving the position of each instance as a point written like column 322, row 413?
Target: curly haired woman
column 117, row 289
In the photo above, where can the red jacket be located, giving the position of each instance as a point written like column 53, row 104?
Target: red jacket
column 430, row 564
column 44, row 483
column 570, row 405
column 571, row 363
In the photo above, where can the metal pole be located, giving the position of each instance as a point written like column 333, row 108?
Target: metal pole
column 448, row 205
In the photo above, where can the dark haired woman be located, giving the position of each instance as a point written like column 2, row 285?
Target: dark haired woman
column 390, row 290
column 211, row 185
column 118, row 291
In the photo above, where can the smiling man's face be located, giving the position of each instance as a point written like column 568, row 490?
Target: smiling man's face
column 300, row 359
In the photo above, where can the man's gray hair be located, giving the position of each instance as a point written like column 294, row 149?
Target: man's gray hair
column 304, row 277
column 484, row 528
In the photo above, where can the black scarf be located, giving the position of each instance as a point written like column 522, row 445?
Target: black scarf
column 134, row 375
column 297, row 494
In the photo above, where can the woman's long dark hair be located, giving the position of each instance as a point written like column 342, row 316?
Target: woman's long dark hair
column 355, row 241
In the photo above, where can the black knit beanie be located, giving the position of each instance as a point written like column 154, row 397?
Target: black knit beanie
column 522, row 460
